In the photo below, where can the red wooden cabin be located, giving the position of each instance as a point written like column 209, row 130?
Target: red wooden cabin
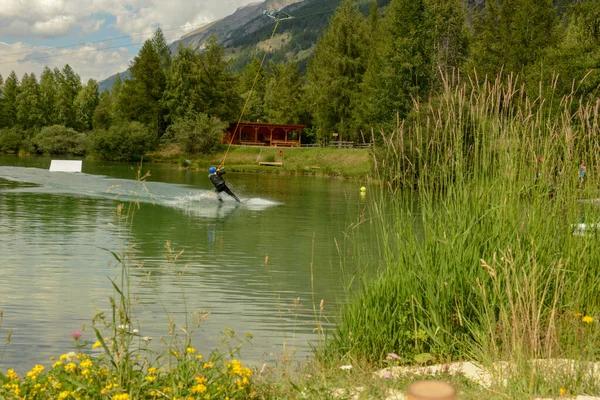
column 263, row 134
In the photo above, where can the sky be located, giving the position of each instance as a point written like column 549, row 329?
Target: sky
column 97, row 38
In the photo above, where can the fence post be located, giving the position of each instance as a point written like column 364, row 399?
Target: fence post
column 430, row 390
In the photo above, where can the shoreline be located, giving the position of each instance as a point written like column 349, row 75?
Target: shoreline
column 354, row 164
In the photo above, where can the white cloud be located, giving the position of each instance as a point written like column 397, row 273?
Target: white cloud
column 26, row 20
column 88, row 61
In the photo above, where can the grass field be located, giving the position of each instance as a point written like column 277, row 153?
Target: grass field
column 345, row 163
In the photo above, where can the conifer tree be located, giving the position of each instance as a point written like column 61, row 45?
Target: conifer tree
column 406, row 72
column 69, row 84
column 449, row 36
column 29, row 113
column 182, row 96
column 2, row 118
column 367, row 111
column 512, row 34
column 336, row 72
column 141, row 95
column 283, row 94
column 255, row 108
column 85, row 104
column 11, row 91
column 218, row 84
column 159, row 42
column 48, row 97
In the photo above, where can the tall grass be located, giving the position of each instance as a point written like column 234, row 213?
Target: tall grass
column 486, row 264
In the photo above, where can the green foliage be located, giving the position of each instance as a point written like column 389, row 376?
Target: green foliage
column 85, row 105
column 201, row 83
column 69, row 85
column 1, row 101
column 485, row 257
column 125, row 141
column 512, row 34
column 9, row 99
column 335, row 73
column 29, row 112
column 58, row 140
column 48, row 97
column 198, row 134
column 10, row 140
column 140, row 97
column 253, row 77
column 283, row 94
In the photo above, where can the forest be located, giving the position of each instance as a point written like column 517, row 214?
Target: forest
column 370, row 69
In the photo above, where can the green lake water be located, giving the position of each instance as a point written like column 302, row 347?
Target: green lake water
column 55, row 229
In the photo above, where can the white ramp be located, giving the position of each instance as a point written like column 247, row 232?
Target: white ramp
column 65, row 166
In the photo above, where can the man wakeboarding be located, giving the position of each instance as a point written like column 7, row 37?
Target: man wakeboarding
column 215, row 176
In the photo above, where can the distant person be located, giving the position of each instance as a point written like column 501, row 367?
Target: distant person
column 582, row 170
column 215, row 176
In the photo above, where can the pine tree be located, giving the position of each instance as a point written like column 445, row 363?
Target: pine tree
column 11, row 91
column 255, row 108
column 367, row 112
column 336, row 72
column 159, row 42
column 85, row 105
column 29, row 112
column 141, row 95
column 48, row 97
column 218, row 84
column 283, row 94
column 512, row 34
column 182, row 95
column 406, row 72
column 69, row 85
column 2, row 118
column 449, row 36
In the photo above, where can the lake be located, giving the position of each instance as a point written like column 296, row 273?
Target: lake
column 263, row 266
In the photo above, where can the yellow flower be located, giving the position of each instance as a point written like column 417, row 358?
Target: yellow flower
column 562, row 391
column 199, row 388
column 150, row 378
column 190, row 350
column 577, row 315
column 122, row 396
column 57, row 364
column 209, row 364
column 63, row 395
column 587, row 319
column 176, row 354
column 152, row 371
column 62, row 357
column 200, row 379
column 11, row 374
column 70, row 367
column 86, row 363
column 199, row 357
column 52, row 358
column 96, row 345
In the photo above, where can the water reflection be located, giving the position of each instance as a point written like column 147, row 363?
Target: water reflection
column 54, row 269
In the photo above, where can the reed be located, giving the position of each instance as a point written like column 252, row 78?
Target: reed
column 482, row 260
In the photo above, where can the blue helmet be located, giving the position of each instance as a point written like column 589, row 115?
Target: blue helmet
column 212, row 170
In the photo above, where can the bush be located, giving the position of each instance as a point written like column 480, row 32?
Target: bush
column 10, row 140
column 128, row 141
column 58, row 139
column 198, row 134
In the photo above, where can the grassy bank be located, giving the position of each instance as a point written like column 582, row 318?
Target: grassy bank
column 487, row 261
column 346, row 163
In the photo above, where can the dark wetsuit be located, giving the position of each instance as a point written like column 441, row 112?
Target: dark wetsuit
column 220, row 184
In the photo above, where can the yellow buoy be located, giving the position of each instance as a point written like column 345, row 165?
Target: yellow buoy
column 363, row 189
